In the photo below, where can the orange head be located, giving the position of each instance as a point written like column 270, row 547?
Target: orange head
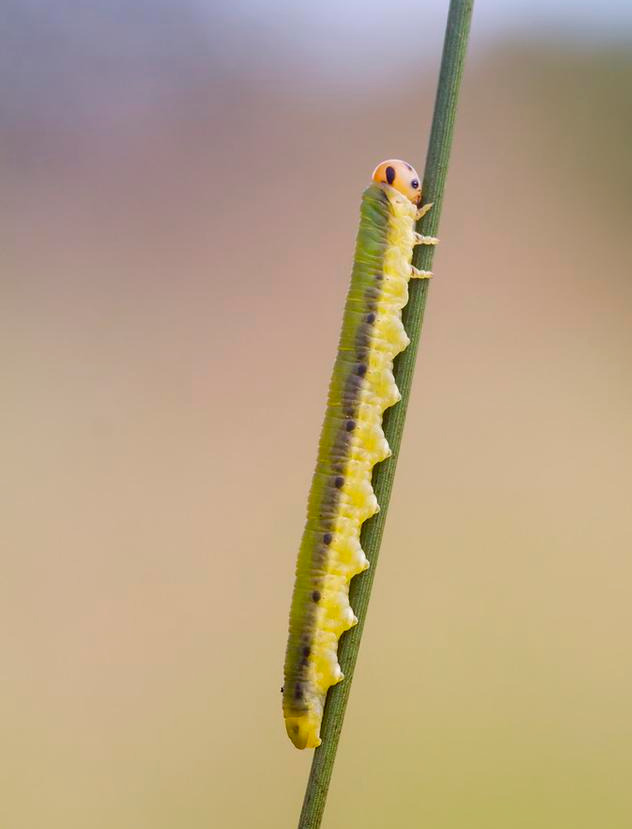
column 401, row 176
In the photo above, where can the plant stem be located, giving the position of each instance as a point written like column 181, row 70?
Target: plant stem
column 439, row 145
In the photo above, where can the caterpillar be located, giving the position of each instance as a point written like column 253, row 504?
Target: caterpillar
column 351, row 443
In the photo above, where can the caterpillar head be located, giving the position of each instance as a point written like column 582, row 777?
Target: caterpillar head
column 400, row 175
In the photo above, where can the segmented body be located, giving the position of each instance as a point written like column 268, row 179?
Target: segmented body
column 352, row 442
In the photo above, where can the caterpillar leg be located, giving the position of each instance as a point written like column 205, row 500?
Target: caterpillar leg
column 423, row 210
column 425, row 240
column 415, row 273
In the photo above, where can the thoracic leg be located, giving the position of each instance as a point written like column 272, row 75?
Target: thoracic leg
column 425, row 240
column 423, row 210
column 415, row 273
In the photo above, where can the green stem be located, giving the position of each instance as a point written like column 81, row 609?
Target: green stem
column 452, row 62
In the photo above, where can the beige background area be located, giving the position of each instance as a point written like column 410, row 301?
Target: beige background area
column 176, row 261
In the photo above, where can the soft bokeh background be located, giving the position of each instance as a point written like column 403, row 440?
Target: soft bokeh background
column 180, row 195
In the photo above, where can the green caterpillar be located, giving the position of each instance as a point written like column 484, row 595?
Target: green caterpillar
column 352, row 441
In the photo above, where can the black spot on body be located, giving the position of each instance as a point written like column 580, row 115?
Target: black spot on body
column 339, row 482
column 362, row 369
column 316, row 596
column 327, row 538
column 298, row 692
column 390, row 174
column 370, row 318
column 350, row 425
column 306, row 652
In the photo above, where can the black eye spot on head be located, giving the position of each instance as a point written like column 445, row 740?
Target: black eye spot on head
column 414, row 184
column 390, row 174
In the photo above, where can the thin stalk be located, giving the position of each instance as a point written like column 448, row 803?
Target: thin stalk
column 437, row 157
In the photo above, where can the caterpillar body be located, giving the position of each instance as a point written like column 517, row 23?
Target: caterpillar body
column 351, row 443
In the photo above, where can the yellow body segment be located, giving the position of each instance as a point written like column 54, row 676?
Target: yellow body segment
column 352, row 442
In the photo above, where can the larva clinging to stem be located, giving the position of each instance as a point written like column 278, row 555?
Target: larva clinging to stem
column 352, row 441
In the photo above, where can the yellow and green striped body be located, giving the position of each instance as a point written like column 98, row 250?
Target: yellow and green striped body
column 351, row 443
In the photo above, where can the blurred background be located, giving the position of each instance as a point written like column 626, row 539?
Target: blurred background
column 181, row 184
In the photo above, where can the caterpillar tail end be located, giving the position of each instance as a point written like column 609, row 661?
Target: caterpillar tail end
column 304, row 731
